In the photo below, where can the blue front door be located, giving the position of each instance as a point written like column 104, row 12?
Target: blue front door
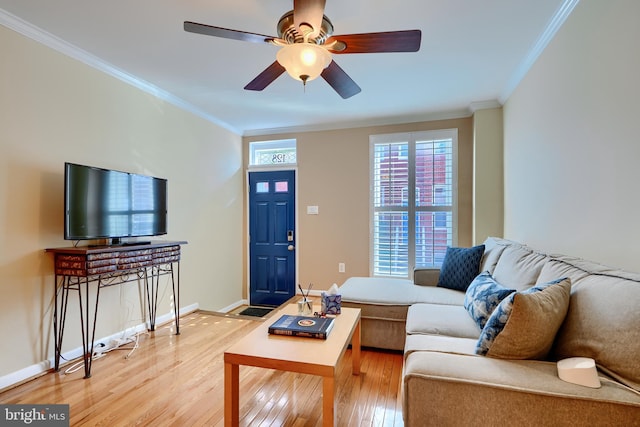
column 272, row 234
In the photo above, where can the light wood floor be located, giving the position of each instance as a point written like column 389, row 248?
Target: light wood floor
column 178, row 381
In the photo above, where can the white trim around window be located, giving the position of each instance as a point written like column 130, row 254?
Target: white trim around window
column 413, row 200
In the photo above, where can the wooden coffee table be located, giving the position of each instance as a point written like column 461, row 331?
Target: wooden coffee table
column 293, row 354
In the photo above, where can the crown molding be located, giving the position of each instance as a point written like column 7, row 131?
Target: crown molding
column 484, row 105
column 375, row 121
column 554, row 25
column 43, row 37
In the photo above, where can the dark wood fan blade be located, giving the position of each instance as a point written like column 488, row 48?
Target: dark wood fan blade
column 308, row 12
column 340, row 81
column 391, row 41
column 266, row 77
column 209, row 30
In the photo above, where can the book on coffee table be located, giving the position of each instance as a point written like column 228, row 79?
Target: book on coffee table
column 302, row 326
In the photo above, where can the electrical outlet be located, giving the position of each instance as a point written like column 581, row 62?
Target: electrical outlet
column 99, row 348
column 341, row 267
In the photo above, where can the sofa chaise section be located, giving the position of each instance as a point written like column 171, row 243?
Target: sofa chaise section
column 445, row 381
column 384, row 303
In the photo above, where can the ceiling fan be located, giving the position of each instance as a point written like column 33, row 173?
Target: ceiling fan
column 306, row 41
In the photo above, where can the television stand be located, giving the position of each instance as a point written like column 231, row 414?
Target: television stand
column 76, row 268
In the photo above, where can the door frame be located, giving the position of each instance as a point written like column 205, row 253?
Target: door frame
column 247, row 285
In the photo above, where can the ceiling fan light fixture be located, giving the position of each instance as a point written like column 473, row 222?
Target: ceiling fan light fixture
column 304, row 61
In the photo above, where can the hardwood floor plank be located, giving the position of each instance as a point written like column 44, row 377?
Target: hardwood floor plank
column 356, row 400
column 305, row 399
column 178, row 380
column 273, row 388
column 393, row 392
column 380, row 409
column 372, row 387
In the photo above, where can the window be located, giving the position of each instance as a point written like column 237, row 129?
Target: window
column 269, row 153
column 413, row 212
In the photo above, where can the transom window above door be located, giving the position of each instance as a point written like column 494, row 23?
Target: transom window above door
column 272, row 153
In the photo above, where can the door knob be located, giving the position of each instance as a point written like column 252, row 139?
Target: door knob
column 291, row 247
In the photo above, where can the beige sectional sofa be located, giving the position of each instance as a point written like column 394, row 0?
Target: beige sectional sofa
column 445, row 381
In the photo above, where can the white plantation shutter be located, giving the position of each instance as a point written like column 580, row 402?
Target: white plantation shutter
column 390, row 198
column 413, row 193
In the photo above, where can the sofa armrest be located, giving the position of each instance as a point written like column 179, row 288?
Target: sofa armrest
column 426, row 276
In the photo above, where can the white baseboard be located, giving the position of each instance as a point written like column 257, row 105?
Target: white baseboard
column 233, row 306
column 42, row 367
column 24, row 374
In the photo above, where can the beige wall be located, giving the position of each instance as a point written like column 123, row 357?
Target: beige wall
column 488, row 173
column 333, row 174
column 54, row 109
column 571, row 139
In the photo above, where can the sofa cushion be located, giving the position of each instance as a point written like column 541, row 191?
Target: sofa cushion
column 393, row 292
column 378, row 290
column 603, row 323
column 519, row 267
column 440, row 343
column 460, row 267
column 438, row 319
column 435, row 295
column 483, row 296
column 493, row 248
column 557, row 267
column 525, row 323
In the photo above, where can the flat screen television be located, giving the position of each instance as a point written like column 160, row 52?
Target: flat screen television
column 108, row 204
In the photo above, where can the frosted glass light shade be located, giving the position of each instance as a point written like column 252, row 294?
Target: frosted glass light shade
column 303, row 61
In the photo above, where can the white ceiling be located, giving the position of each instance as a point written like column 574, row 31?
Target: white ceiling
column 473, row 53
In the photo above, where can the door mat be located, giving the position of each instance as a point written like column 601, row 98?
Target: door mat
column 255, row 311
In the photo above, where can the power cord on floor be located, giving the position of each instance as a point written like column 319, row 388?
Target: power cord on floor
column 78, row 365
column 135, row 340
column 99, row 354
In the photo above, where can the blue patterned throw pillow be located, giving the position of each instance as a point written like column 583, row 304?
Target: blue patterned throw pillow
column 483, row 296
column 524, row 324
column 460, row 267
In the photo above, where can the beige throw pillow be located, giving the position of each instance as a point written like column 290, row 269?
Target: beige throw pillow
column 524, row 324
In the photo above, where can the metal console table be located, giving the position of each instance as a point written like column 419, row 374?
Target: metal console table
column 77, row 268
